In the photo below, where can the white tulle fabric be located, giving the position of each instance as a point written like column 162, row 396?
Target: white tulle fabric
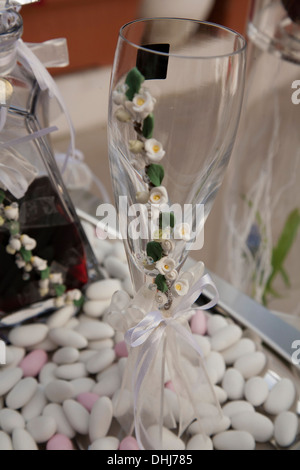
column 162, row 348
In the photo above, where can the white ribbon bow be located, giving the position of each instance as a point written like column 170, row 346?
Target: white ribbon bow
column 148, row 335
column 19, row 174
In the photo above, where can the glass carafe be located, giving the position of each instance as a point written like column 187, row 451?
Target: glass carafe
column 43, row 249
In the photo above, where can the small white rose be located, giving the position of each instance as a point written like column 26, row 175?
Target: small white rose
column 12, row 212
column 162, row 235
column 119, row 96
column 159, row 195
column 20, row 263
column 181, row 287
column 182, row 232
column 139, row 164
column 56, row 278
column 59, row 302
column 15, row 244
column 122, row 115
column 156, row 235
column 142, row 197
column 10, row 250
column 168, row 245
column 136, row 146
column 74, row 294
column 166, row 265
column 28, row 267
column 44, row 283
column 172, row 276
column 166, row 233
column 142, row 105
column 44, row 292
column 154, row 150
column 28, row 243
column 39, row 263
column 161, row 298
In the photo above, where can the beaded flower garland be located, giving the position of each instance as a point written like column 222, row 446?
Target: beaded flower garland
column 22, row 246
column 136, row 106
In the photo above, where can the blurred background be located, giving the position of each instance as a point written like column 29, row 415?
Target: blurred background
column 91, row 28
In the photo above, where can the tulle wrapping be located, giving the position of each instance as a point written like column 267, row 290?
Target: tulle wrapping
column 161, row 349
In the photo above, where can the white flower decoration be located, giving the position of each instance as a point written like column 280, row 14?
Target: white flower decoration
column 39, row 263
column 142, row 197
column 167, row 245
column 159, row 195
column 74, row 295
column 136, row 146
column 44, row 284
column 118, row 96
column 28, row 243
column 139, row 164
column 166, row 265
column 142, row 105
column 12, row 212
column 28, row 267
column 15, row 244
column 161, row 298
column 10, row 250
column 123, row 115
column 182, row 232
column 181, row 287
column 162, row 235
column 44, row 292
column 154, row 150
column 20, row 263
column 56, row 278
column 172, row 276
column 59, row 302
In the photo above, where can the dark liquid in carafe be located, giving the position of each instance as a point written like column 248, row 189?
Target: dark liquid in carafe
column 42, row 217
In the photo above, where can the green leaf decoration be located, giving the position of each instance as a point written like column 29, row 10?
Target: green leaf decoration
column 79, row 303
column 286, row 240
column 148, row 127
column 14, row 228
column 155, row 251
column 45, row 274
column 156, row 174
column 2, row 196
column 134, row 81
column 281, row 252
column 285, row 277
column 166, row 219
column 26, row 254
column 161, row 283
column 59, row 289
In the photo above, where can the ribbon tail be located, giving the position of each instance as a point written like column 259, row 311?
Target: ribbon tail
column 146, row 357
column 182, row 367
column 45, row 82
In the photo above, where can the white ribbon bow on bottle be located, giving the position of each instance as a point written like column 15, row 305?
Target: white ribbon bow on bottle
column 19, row 169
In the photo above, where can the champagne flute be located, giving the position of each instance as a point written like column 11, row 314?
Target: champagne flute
column 175, row 100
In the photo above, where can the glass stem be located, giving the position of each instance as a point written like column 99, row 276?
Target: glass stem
column 137, row 277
